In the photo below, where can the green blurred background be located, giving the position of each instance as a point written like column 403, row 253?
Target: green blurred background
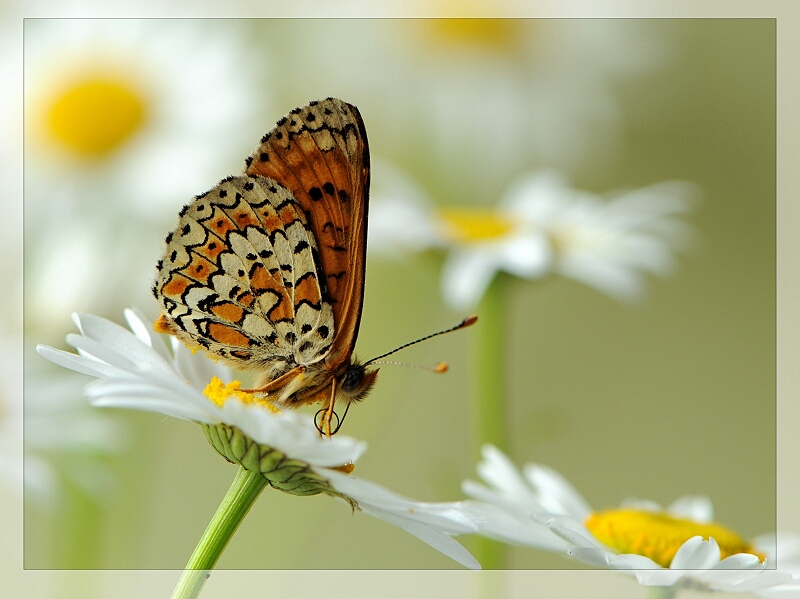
column 674, row 395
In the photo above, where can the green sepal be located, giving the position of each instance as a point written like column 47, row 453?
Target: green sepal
column 281, row 472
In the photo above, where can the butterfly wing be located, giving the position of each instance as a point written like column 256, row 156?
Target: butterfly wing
column 239, row 278
column 320, row 153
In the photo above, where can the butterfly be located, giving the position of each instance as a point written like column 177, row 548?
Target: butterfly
column 266, row 270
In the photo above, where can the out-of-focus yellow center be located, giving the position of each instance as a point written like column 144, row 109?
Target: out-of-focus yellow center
column 486, row 32
column 658, row 535
column 95, row 115
column 474, row 225
column 219, row 393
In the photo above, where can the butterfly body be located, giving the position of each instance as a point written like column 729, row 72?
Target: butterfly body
column 266, row 270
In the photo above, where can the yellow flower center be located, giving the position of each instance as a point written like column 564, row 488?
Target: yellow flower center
column 474, row 225
column 95, row 115
column 219, row 393
column 659, row 535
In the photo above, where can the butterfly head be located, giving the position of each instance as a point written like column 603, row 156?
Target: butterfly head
column 356, row 382
column 352, row 384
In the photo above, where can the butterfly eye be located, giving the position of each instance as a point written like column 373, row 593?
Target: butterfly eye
column 352, row 378
column 357, row 382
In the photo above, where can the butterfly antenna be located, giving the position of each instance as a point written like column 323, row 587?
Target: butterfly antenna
column 468, row 321
column 439, row 368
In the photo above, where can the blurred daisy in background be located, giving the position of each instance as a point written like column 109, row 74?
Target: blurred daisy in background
column 125, row 120
column 678, row 546
column 136, row 370
column 501, row 94
column 11, row 170
column 152, row 108
column 66, row 443
column 541, row 226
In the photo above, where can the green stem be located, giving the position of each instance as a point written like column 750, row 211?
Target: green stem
column 244, row 490
column 489, row 362
column 489, row 382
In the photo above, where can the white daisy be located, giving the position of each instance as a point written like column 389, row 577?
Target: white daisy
column 678, row 546
column 136, row 370
column 544, row 226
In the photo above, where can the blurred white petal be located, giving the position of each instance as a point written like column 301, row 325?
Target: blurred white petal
column 543, row 226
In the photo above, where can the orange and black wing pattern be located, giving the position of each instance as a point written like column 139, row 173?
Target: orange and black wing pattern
column 319, row 152
column 239, row 279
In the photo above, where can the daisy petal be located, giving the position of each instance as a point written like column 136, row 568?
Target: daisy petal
column 766, row 579
column 500, row 473
column 696, row 554
column 466, row 276
column 629, row 561
column 431, row 523
column 590, row 555
column 741, row 561
column 557, row 494
column 657, row 578
column 121, row 341
column 136, row 321
column 573, row 532
column 692, row 507
column 82, row 364
column 439, row 541
column 500, row 524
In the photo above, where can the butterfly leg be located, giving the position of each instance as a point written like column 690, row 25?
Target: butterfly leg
column 277, row 383
column 326, row 419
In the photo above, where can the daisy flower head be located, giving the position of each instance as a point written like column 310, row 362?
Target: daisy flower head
column 677, row 546
column 544, row 226
column 120, row 101
column 551, row 80
column 136, row 369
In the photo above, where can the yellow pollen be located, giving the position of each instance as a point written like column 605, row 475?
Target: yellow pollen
column 219, row 393
column 474, row 225
column 95, row 115
column 658, row 535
